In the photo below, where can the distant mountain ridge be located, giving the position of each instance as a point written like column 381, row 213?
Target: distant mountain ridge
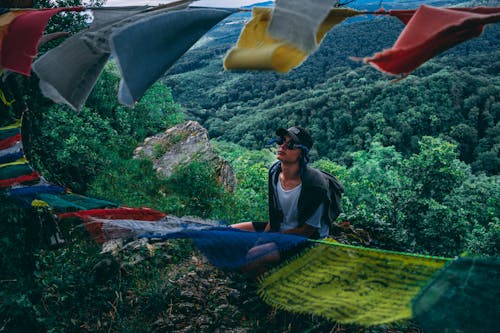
column 387, row 4
column 261, row 4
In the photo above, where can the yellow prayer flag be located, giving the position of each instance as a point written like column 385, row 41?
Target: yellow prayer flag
column 19, row 161
column 350, row 284
column 39, row 203
column 16, row 124
column 256, row 49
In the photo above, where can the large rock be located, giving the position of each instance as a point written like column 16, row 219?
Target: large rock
column 181, row 145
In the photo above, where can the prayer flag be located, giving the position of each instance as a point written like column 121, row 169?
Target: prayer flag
column 350, row 284
column 69, row 72
column 94, row 226
column 6, row 18
column 20, row 43
column 461, row 298
column 297, row 22
column 405, row 15
column 145, row 49
column 25, row 195
column 256, row 49
column 429, row 32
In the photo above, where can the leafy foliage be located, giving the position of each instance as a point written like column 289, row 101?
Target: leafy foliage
column 197, row 189
column 373, row 190
column 348, row 106
column 428, row 203
column 249, row 201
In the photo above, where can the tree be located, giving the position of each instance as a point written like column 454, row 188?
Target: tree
column 475, row 203
column 434, row 173
column 374, row 194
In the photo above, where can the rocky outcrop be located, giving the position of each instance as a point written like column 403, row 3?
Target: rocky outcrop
column 183, row 144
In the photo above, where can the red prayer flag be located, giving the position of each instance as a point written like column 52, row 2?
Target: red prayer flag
column 144, row 214
column 19, row 46
column 19, row 180
column 406, row 14
column 10, row 141
column 403, row 15
column 429, row 32
column 95, row 228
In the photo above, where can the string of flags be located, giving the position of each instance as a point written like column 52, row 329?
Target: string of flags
column 146, row 41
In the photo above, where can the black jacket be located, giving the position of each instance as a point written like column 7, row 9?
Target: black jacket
column 316, row 189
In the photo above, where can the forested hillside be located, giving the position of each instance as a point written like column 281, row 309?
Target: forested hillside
column 348, row 105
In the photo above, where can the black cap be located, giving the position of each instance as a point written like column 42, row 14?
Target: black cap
column 298, row 134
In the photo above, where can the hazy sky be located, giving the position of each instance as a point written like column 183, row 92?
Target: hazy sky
column 211, row 3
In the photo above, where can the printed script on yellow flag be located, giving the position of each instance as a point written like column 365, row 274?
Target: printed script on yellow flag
column 350, row 284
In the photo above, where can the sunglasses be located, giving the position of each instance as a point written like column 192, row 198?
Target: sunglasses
column 290, row 145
